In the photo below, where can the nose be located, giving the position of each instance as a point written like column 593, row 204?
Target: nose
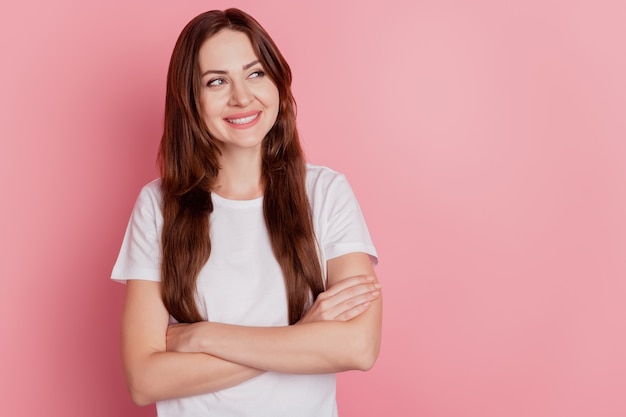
column 240, row 94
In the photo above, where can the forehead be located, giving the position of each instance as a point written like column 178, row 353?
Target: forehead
column 226, row 50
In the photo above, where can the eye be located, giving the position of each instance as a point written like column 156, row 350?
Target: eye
column 216, row 82
column 257, row 74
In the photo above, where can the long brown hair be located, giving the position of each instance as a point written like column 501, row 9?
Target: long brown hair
column 188, row 159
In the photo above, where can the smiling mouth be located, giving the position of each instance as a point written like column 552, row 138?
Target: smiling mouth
column 243, row 120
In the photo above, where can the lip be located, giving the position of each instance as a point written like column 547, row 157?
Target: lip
column 244, row 115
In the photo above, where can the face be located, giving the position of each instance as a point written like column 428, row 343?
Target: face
column 239, row 102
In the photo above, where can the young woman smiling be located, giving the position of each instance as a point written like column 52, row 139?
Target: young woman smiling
column 249, row 272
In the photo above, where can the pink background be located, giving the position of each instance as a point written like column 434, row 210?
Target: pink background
column 484, row 139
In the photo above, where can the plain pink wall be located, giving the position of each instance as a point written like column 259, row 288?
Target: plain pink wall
column 486, row 141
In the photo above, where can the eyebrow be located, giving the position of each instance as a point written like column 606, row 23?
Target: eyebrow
column 245, row 67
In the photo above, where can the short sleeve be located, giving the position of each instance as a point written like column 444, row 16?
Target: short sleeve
column 340, row 226
column 140, row 254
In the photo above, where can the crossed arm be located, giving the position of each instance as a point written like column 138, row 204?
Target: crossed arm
column 340, row 332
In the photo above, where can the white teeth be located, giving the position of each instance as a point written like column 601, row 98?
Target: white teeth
column 243, row 120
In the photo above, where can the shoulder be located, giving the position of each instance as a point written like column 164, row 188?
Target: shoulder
column 152, row 188
column 149, row 198
column 327, row 189
column 320, row 179
column 151, row 192
column 320, row 171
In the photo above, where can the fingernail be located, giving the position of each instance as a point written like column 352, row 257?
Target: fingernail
column 378, row 285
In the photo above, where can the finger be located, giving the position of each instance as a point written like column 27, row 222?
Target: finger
column 355, row 301
column 351, row 282
column 353, row 312
column 331, row 299
column 342, row 309
column 334, row 306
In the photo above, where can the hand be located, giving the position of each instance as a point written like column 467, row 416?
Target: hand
column 344, row 301
column 182, row 338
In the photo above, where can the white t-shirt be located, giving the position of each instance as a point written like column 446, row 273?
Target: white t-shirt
column 243, row 284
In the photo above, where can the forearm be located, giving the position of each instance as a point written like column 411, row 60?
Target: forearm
column 323, row 342
column 165, row 375
column 318, row 347
column 154, row 374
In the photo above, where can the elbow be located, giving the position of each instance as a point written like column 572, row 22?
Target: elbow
column 366, row 364
column 139, row 391
column 366, row 360
column 365, row 353
column 142, row 380
column 139, row 398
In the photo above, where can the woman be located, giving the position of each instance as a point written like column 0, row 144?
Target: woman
column 249, row 273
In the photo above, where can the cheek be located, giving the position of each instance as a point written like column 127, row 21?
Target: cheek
column 209, row 110
column 273, row 99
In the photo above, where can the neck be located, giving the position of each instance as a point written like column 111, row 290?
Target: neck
column 239, row 177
